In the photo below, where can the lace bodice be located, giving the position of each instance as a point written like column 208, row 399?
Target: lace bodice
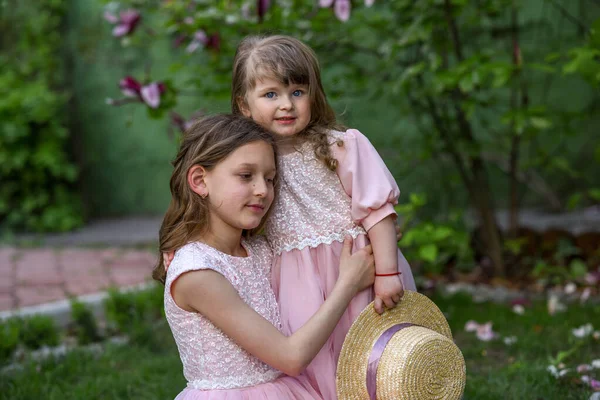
column 312, row 207
column 211, row 360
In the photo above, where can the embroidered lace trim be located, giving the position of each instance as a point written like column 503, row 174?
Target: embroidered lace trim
column 313, row 242
column 234, row 382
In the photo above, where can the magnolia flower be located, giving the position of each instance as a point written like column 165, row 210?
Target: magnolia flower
column 510, row 340
column 261, row 8
column 199, row 39
column 126, row 22
column 149, row 94
column 518, row 309
column 341, row 8
column 583, row 331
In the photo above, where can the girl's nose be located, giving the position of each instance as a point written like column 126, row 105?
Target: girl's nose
column 286, row 103
column 260, row 188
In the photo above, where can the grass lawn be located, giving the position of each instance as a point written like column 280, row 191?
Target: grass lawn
column 149, row 367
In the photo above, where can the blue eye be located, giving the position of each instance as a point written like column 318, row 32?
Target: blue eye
column 270, row 95
column 297, row 93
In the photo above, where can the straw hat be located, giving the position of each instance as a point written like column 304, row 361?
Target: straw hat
column 405, row 353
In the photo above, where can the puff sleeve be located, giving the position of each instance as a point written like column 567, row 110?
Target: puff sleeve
column 366, row 179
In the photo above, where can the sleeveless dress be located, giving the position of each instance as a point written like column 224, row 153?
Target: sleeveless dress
column 315, row 209
column 214, row 366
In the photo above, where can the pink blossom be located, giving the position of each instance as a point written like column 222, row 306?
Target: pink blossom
column 200, row 39
column 261, row 8
column 341, row 8
column 326, row 3
column 149, row 94
column 126, row 22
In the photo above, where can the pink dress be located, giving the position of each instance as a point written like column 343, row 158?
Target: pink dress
column 214, row 365
column 315, row 209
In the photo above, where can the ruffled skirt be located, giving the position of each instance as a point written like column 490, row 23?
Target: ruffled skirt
column 302, row 280
column 284, row 388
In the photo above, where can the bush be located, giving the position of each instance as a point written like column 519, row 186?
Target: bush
column 38, row 179
column 86, row 328
column 38, row 331
column 9, row 338
column 125, row 311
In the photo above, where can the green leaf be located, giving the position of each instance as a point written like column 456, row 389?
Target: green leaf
column 429, row 252
column 578, row 268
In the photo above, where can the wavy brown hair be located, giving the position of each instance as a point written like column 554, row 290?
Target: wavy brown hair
column 206, row 143
column 288, row 61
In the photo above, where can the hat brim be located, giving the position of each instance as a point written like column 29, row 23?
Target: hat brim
column 414, row 308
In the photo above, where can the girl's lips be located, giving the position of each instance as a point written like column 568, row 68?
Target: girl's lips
column 285, row 120
column 256, row 208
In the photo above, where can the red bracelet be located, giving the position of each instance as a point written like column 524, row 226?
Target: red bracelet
column 392, row 274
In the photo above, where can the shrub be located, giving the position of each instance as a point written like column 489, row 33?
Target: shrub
column 38, row 331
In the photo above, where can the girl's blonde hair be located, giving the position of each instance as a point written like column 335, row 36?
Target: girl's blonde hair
column 288, row 61
column 206, row 143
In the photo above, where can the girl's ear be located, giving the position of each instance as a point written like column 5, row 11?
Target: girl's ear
column 195, row 178
column 243, row 106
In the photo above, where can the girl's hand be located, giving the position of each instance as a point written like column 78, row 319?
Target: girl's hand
column 398, row 233
column 167, row 258
column 388, row 290
column 358, row 269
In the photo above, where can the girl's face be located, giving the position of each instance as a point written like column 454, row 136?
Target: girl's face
column 240, row 188
column 282, row 109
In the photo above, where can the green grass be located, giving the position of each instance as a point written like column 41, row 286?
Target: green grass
column 150, row 368
column 498, row 371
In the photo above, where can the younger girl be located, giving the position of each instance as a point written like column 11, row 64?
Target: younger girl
column 333, row 184
column 218, row 299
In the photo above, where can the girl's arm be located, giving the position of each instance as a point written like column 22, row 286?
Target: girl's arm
column 388, row 289
column 211, row 294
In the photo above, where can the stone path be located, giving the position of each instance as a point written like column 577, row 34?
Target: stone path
column 33, row 276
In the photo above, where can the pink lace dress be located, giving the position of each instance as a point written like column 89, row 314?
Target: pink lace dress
column 315, row 209
column 215, row 366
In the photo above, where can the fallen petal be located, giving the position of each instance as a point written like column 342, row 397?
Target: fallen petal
column 570, row 288
column 583, row 368
column 471, row 326
column 518, row 309
column 585, row 295
column 510, row 340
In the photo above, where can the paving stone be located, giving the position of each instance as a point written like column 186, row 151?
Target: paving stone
column 33, row 295
column 38, row 267
column 6, row 301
